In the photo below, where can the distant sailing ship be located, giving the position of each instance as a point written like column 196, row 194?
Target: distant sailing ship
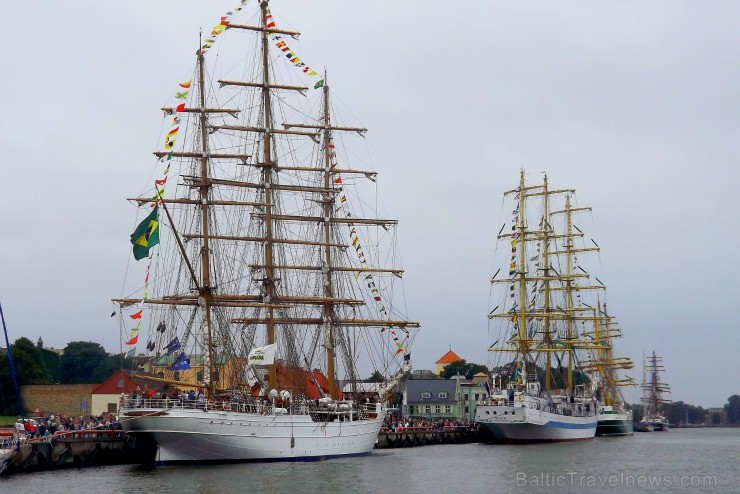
column 654, row 393
column 614, row 418
column 272, row 281
column 544, row 313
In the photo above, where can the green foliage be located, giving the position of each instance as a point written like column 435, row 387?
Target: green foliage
column 733, row 409
column 8, row 400
column 376, row 377
column 32, row 366
column 462, row 368
column 678, row 411
column 28, row 363
column 80, row 361
column 50, row 363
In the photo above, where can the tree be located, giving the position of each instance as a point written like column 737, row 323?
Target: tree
column 376, row 377
column 461, row 367
column 32, row 366
column 733, row 409
column 80, row 361
column 679, row 411
column 28, row 364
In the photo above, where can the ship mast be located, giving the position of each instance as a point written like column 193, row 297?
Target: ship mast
column 327, row 207
column 569, row 289
column 204, row 299
column 604, row 363
column 522, row 343
column 271, row 307
column 269, row 279
column 523, row 337
column 547, row 275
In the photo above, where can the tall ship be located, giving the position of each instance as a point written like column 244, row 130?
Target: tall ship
column 270, row 287
column 614, row 416
column 541, row 319
column 654, row 395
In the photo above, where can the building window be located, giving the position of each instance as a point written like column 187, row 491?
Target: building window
column 427, row 410
column 467, row 409
column 199, row 376
column 177, row 375
column 448, row 409
column 477, row 396
column 411, row 409
column 437, row 409
column 120, row 383
column 160, row 375
column 466, row 396
column 442, row 394
column 426, row 394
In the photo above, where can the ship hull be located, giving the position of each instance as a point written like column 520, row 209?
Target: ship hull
column 197, row 436
column 525, row 425
column 659, row 426
column 614, row 426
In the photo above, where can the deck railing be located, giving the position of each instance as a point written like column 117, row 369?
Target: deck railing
column 300, row 407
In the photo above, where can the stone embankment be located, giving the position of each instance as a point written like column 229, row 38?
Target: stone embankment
column 422, row 436
column 70, row 449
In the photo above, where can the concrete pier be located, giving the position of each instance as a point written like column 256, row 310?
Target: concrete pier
column 73, row 449
column 422, row 436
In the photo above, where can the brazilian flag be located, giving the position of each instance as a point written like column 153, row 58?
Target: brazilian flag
column 319, row 84
column 146, row 235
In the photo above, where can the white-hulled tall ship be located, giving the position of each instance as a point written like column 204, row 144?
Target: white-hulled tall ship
column 273, row 281
column 614, row 418
column 654, row 392
column 543, row 312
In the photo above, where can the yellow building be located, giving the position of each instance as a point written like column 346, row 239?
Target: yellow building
column 447, row 358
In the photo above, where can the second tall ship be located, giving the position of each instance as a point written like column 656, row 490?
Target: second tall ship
column 546, row 323
column 614, row 416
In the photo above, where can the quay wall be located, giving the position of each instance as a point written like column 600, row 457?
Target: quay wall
column 65, row 399
column 422, row 436
column 76, row 449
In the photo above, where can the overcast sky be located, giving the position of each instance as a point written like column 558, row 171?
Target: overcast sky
column 634, row 104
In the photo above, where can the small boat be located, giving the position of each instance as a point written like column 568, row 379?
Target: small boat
column 643, row 427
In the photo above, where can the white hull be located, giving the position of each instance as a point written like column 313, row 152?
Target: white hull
column 192, row 435
column 522, row 424
column 659, row 424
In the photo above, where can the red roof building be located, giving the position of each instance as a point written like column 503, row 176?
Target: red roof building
column 447, row 358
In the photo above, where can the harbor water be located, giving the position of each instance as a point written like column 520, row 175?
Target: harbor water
column 681, row 460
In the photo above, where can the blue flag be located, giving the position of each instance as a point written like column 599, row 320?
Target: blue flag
column 181, row 363
column 488, row 389
column 172, row 346
column 131, row 353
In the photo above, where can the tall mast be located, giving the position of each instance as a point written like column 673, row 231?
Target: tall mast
column 328, row 201
column 205, row 286
column 523, row 341
column 569, row 288
column 267, row 180
column 546, row 275
column 644, row 387
column 601, row 357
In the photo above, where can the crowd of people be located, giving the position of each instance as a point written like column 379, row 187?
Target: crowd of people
column 55, row 424
column 400, row 424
